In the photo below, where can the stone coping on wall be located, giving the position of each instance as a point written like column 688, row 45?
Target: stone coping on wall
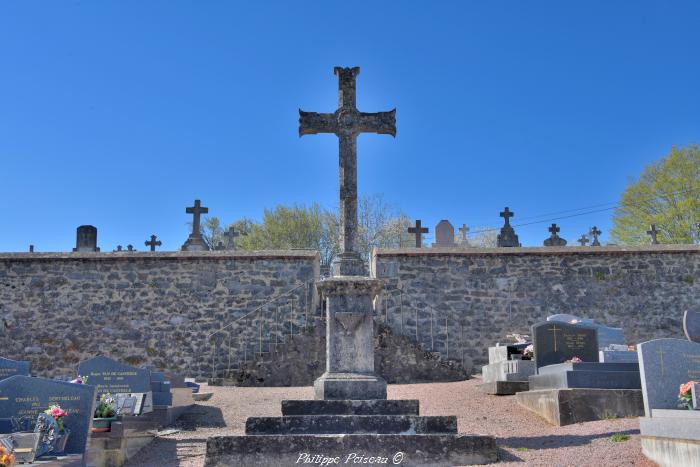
column 163, row 255
column 570, row 250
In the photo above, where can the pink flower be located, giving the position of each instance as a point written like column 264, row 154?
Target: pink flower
column 686, row 388
column 576, row 360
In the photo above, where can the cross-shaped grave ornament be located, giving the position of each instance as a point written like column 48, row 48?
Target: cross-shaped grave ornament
column 652, row 232
column 153, row 243
column 347, row 123
column 595, row 232
column 419, row 231
column 583, row 240
column 231, row 234
column 464, row 230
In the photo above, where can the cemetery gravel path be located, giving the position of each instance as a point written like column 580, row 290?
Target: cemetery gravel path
column 523, row 438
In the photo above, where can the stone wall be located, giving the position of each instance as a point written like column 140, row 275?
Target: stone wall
column 142, row 308
column 462, row 301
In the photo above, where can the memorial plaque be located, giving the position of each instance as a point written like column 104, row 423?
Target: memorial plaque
column 110, row 376
column 691, row 325
column 24, row 396
column 665, row 364
column 126, row 404
column 557, row 342
column 14, row 367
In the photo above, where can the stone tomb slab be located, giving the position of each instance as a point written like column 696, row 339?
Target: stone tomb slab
column 504, row 388
column 665, row 364
column 568, row 406
column 24, row 396
column 10, row 367
column 111, row 376
column 587, row 375
column 556, row 342
column 350, row 407
column 671, row 437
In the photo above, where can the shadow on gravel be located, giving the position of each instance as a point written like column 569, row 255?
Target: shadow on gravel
column 167, row 453
column 556, row 441
column 204, row 416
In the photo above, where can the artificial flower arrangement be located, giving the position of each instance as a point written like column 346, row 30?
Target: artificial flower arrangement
column 58, row 414
column 80, row 380
column 574, row 360
column 7, row 459
column 685, row 395
column 106, row 407
column 529, row 351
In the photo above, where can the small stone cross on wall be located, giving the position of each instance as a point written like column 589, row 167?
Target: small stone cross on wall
column 554, row 230
column 419, row 231
column 653, row 233
column 197, row 210
column 583, row 240
column 595, row 232
column 153, row 243
column 507, row 214
column 464, row 230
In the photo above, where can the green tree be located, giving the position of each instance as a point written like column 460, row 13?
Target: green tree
column 667, row 194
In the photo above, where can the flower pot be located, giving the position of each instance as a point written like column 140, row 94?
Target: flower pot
column 61, row 441
column 101, row 425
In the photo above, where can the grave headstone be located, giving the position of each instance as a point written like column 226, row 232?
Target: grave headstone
column 153, row 243
column 554, row 239
column 691, row 325
column 14, row 367
column 507, row 237
column 444, row 234
column 463, row 232
column 24, row 396
column 111, row 376
column 418, row 231
column 664, row 365
column 86, row 239
column 607, row 336
column 194, row 241
column 595, row 232
column 557, row 342
column 583, row 240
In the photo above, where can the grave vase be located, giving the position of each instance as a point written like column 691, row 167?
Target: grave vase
column 102, row 424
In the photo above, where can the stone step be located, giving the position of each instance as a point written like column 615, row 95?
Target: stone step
column 353, row 424
column 405, row 450
column 350, row 407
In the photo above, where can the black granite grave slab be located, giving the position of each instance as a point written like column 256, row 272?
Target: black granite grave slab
column 14, row 367
column 350, row 407
column 111, row 376
column 556, row 342
column 24, row 396
column 356, row 424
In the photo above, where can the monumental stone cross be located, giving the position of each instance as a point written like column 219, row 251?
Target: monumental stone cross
column 583, row 240
column 419, row 230
column 194, row 241
column 347, row 123
column 554, row 240
column 507, row 237
column 231, row 235
column 595, row 232
column 653, row 233
column 153, row 243
column 464, row 230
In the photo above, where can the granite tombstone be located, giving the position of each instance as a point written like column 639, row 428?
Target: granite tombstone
column 24, row 396
column 14, row 367
column 444, row 234
column 110, row 376
column 558, row 342
column 665, row 364
column 691, row 325
column 607, row 336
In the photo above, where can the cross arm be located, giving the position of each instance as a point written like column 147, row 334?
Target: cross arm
column 311, row 123
column 383, row 123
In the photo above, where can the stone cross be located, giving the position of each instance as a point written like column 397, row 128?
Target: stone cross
column 347, row 123
column 231, row 235
column 31, row 248
column 507, row 214
column 595, row 232
column 554, row 240
column 119, row 248
column 697, row 226
column 153, row 243
column 653, row 233
column 463, row 231
column 130, row 247
column 583, row 240
column 554, row 230
column 419, row 231
column 197, row 210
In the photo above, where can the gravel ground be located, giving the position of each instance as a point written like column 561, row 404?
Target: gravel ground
column 524, row 438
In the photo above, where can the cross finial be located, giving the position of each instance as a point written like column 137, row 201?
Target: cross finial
column 554, row 230
column 153, row 243
column 583, row 240
column 419, row 231
column 130, row 247
column 595, row 232
column 507, row 214
column 119, row 248
column 652, row 232
column 31, row 248
column 231, row 235
column 197, row 210
column 463, row 231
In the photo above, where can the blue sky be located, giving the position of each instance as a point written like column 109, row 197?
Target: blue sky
column 119, row 114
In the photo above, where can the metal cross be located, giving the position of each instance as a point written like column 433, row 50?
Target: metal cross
column 653, row 233
column 595, row 232
column 583, row 240
column 197, row 210
column 507, row 214
column 347, row 123
column 419, row 231
column 463, row 231
column 153, row 243
column 554, row 229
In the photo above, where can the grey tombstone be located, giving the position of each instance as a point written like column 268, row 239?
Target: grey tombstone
column 111, row 376
column 195, row 242
column 24, row 396
column 14, row 367
column 418, row 230
column 444, row 234
column 607, row 336
column 86, row 239
column 664, row 365
column 557, row 342
column 507, row 237
column 695, row 392
column 554, row 239
column 691, row 325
